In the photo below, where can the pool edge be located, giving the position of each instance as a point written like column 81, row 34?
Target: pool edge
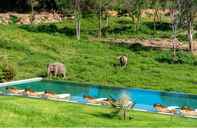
column 12, row 83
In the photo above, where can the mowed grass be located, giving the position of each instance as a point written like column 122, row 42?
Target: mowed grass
column 24, row 112
column 91, row 62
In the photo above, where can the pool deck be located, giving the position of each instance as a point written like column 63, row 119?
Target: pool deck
column 12, row 83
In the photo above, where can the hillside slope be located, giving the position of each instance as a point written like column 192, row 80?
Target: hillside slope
column 92, row 62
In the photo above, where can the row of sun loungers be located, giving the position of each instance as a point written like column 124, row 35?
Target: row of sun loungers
column 171, row 110
column 32, row 94
column 174, row 110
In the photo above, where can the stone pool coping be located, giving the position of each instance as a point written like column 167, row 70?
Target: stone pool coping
column 12, row 83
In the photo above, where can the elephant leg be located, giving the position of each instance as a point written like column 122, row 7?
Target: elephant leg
column 49, row 74
column 56, row 72
column 64, row 75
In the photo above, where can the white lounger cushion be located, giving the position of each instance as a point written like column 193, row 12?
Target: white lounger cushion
column 173, row 107
column 62, row 96
column 101, row 99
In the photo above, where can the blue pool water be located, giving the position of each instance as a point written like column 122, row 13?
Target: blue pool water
column 144, row 99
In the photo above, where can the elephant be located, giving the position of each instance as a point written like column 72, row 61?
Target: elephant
column 56, row 69
column 123, row 60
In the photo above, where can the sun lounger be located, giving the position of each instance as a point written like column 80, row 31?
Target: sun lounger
column 60, row 97
column 96, row 101
column 1, row 93
column 101, row 99
column 13, row 94
column 173, row 107
column 39, row 95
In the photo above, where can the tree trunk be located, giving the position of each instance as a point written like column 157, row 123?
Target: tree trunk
column 154, row 20
column 78, row 28
column 107, row 21
column 77, row 19
column 190, row 37
column 32, row 12
column 100, row 20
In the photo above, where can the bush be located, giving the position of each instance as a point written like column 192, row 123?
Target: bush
column 182, row 37
column 47, row 28
column 1, row 75
column 50, row 28
column 13, row 19
column 43, row 73
column 7, row 72
column 195, row 36
column 181, row 58
column 105, row 30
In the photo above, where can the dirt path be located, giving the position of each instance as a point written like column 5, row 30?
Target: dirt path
column 157, row 43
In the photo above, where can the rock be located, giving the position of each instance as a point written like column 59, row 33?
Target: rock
column 111, row 13
column 26, row 20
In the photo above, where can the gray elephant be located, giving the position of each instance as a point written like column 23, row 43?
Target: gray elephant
column 123, row 60
column 56, row 69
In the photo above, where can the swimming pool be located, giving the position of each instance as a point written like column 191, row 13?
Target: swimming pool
column 144, row 99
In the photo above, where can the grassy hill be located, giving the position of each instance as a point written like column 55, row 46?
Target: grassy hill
column 24, row 112
column 30, row 49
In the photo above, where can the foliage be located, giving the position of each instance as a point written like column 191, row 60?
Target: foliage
column 134, row 9
column 7, row 72
column 13, row 19
column 65, row 6
column 181, row 58
column 1, row 75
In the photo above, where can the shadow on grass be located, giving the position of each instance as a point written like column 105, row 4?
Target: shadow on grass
column 136, row 47
column 49, row 28
column 103, row 115
column 121, row 29
column 112, row 115
column 159, row 26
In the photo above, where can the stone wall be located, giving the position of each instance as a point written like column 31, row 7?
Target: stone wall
column 39, row 18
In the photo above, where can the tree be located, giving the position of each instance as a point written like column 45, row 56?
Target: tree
column 65, row 6
column 156, row 16
column 102, row 6
column 71, row 7
column 33, row 3
column 134, row 9
column 187, row 12
column 77, row 13
column 174, row 25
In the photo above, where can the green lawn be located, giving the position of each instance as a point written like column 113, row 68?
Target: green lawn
column 24, row 112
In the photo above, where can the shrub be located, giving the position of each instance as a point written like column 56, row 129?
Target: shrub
column 181, row 58
column 51, row 28
column 1, row 75
column 13, row 19
column 7, row 72
column 47, row 28
column 195, row 36
column 105, row 30
column 43, row 73
column 182, row 37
